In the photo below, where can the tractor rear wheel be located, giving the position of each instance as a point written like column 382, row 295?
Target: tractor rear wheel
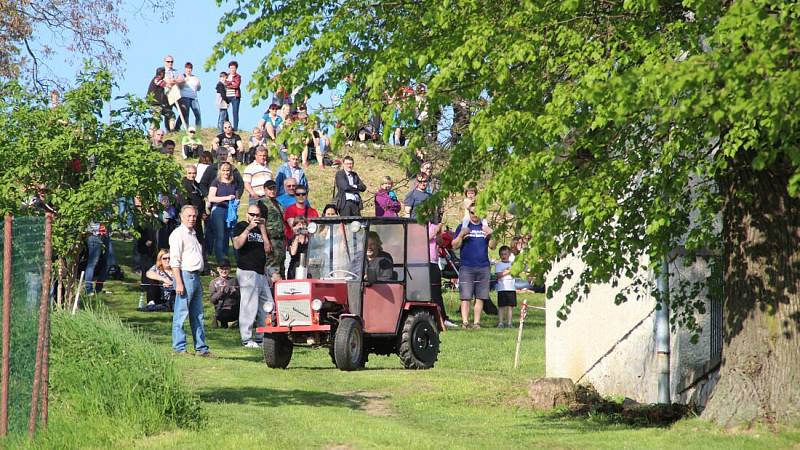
column 277, row 350
column 419, row 341
column 348, row 345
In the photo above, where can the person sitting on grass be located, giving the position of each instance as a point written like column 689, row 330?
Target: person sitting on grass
column 224, row 296
column 191, row 144
column 161, row 290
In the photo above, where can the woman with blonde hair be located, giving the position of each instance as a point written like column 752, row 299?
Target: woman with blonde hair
column 162, row 283
column 221, row 195
column 386, row 202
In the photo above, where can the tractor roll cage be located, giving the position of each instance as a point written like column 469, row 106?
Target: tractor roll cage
column 415, row 275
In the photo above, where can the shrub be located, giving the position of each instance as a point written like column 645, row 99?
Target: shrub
column 109, row 383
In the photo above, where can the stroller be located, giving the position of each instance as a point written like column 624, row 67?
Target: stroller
column 448, row 262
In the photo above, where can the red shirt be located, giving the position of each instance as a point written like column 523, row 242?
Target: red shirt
column 294, row 211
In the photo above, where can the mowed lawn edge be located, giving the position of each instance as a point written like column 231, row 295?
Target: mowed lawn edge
column 472, row 398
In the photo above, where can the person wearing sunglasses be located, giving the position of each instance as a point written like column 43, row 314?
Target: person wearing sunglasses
column 171, row 78
column 287, row 198
column 253, row 244
column 161, row 289
column 298, row 209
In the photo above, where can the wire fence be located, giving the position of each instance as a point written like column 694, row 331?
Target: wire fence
column 27, row 268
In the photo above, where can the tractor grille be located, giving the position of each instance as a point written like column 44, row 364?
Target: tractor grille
column 292, row 313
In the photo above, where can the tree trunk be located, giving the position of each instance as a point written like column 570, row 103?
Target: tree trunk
column 760, row 371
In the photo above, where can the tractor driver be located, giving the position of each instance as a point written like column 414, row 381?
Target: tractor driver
column 378, row 260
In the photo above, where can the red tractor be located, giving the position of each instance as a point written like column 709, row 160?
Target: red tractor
column 366, row 290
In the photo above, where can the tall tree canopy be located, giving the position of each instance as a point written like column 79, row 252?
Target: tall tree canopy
column 76, row 160
column 619, row 129
column 33, row 32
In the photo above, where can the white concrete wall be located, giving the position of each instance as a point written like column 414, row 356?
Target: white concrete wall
column 613, row 346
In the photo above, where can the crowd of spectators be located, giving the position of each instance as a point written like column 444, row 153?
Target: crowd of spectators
column 202, row 221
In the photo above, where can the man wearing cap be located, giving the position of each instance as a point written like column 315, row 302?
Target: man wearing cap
column 186, row 260
column 191, row 144
column 272, row 212
column 228, row 140
column 255, row 175
column 253, row 244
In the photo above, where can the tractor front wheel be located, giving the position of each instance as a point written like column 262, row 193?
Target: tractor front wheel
column 419, row 341
column 277, row 350
column 348, row 345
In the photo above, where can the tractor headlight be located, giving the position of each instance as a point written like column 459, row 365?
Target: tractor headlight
column 316, row 304
column 269, row 307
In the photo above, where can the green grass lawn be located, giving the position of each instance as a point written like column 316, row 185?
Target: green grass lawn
column 472, row 398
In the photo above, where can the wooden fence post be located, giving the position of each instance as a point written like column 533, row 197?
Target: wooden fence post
column 7, row 238
column 44, row 318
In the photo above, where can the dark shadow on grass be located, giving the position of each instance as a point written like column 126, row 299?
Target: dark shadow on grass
column 276, row 398
column 332, row 367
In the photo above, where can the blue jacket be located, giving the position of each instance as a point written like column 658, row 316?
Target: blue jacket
column 285, row 172
column 286, row 200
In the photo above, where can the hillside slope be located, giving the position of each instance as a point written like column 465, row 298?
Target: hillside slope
column 371, row 162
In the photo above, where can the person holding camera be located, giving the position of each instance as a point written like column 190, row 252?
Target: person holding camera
column 296, row 218
column 298, row 246
column 252, row 242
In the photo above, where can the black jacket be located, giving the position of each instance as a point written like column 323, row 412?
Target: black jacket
column 343, row 186
column 194, row 196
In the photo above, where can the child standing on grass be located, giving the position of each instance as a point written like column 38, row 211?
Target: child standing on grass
column 224, row 296
column 506, row 293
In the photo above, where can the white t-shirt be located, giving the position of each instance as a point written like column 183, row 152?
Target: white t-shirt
column 505, row 283
column 201, row 169
column 257, row 175
column 190, row 87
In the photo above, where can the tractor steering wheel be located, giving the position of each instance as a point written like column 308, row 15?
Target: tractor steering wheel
column 329, row 275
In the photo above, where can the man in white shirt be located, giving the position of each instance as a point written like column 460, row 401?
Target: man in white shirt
column 255, row 175
column 171, row 78
column 186, row 260
column 188, row 100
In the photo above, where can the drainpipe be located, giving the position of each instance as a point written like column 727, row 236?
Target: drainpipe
column 662, row 335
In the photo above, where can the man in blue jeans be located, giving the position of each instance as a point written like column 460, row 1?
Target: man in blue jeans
column 186, row 259
column 98, row 246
